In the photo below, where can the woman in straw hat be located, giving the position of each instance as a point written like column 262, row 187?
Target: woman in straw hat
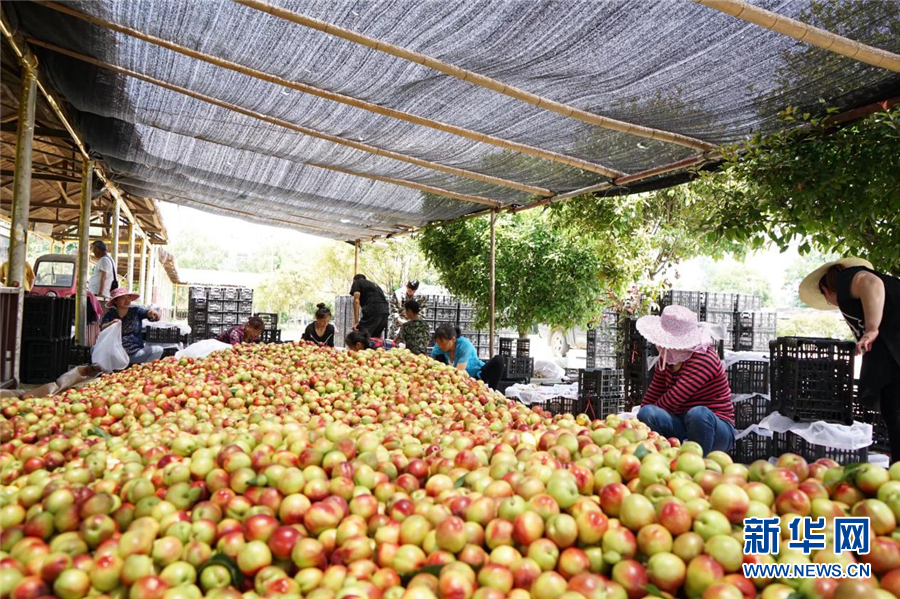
column 870, row 303
column 689, row 397
column 132, row 318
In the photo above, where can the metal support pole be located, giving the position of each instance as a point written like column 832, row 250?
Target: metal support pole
column 115, row 234
column 356, row 257
column 130, row 256
column 151, row 274
column 493, row 280
column 84, row 242
column 21, row 205
column 142, row 283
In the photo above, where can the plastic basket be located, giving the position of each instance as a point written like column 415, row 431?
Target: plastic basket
column 692, row 300
column 270, row 336
column 745, row 303
column 602, row 391
column 523, row 347
column 721, row 302
column 880, row 441
column 245, row 294
column 197, row 316
column 751, row 411
column 162, row 335
column 229, row 318
column 214, row 318
column 561, row 405
column 752, row 447
column 790, row 443
column 79, row 355
column 726, row 319
column 200, row 330
column 215, row 293
column 214, row 306
column 229, row 306
column 748, row 376
column 812, row 379
column 44, row 360
column 47, row 317
column 214, row 330
column 270, row 319
column 516, row 368
column 506, row 346
column 198, row 293
column 230, row 293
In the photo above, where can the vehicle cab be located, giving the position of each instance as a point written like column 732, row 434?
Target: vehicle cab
column 55, row 275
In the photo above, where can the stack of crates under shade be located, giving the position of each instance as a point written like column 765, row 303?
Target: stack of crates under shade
column 214, row 310
column 601, row 392
column 46, row 338
column 518, row 365
column 343, row 318
column 603, row 342
column 636, row 355
column 812, row 380
column 746, row 327
column 446, row 309
column 750, row 388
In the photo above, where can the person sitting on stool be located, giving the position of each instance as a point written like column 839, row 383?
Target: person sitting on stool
column 451, row 347
column 689, row 397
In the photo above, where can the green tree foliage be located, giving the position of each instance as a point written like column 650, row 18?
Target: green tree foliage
column 287, row 292
column 814, row 323
column 543, row 274
column 198, row 250
column 836, row 189
column 731, row 276
column 390, row 264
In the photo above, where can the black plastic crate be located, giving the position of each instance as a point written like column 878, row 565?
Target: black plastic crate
column 516, row 368
column 880, row 441
column 270, row 319
column 79, row 355
column 47, row 317
column 214, row 330
column 245, row 294
column 751, row 411
column 444, row 314
column 561, row 405
column 692, row 300
column 746, row 303
column 199, row 330
column 721, row 302
column 523, row 347
column 162, row 335
column 466, row 313
column 229, row 318
column 748, row 376
column 215, row 293
column 506, row 346
column 245, row 307
column 602, row 391
column 214, row 305
column 229, row 306
column 44, row 360
column 230, row 294
column 751, row 447
column 197, row 316
column 270, row 336
column 812, row 379
column 214, row 318
column 718, row 317
column 198, row 293
column 790, row 443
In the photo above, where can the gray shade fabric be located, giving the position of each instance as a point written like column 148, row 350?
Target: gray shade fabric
column 673, row 65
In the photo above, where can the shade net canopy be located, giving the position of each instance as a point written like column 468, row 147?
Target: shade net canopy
column 229, row 142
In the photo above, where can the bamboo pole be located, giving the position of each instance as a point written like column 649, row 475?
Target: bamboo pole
column 493, row 303
column 294, row 127
column 84, row 242
column 476, row 79
column 21, row 201
column 337, row 97
column 115, row 234
column 20, row 211
column 131, row 228
column 142, row 280
column 355, row 257
column 806, row 33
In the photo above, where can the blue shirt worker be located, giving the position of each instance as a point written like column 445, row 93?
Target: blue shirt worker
column 452, row 348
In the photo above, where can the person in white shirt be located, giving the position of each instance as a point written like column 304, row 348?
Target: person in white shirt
column 104, row 271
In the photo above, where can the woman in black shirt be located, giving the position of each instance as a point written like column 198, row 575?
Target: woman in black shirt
column 870, row 303
column 321, row 331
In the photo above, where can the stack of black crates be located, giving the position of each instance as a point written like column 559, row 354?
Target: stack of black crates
column 813, row 379
column 604, row 341
column 750, row 380
column 518, row 365
column 214, row 310
column 746, row 327
column 601, row 392
column 46, row 338
column 443, row 309
column 635, row 361
column 271, row 333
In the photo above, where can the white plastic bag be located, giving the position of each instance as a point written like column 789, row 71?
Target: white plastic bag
column 201, row 349
column 839, row 436
column 108, row 352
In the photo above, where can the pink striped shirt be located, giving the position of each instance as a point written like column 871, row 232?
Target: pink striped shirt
column 700, row 381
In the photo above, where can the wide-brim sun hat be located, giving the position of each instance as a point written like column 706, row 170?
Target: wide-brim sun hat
column 676, row 328
column 809, row 291
column 120, row 292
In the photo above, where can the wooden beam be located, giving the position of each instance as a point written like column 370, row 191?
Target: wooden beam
column 806, row 33
column 476, row 79
column 337, row 97
column 41, row 175
column 298, row 128
column 10, row 127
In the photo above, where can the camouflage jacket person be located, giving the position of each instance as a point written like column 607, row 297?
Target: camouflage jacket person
column 398, row 317
column 416, row 335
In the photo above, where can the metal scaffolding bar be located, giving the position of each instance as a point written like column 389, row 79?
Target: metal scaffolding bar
column 84, row 242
